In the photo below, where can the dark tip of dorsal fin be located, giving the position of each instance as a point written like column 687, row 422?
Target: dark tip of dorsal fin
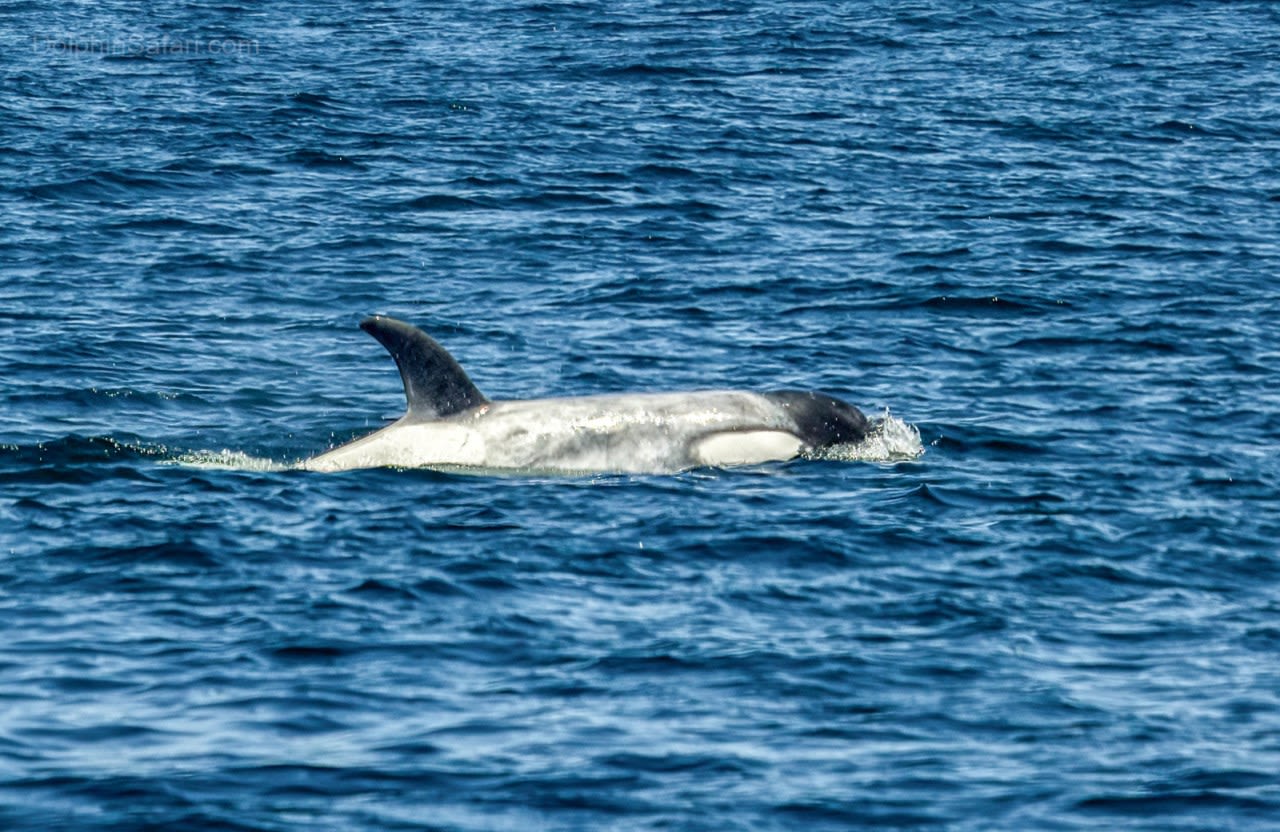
column 435, row 385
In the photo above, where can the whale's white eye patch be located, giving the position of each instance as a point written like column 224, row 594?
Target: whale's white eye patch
column 746, row 447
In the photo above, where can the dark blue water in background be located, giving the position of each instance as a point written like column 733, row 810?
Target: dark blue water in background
column 1045, row 234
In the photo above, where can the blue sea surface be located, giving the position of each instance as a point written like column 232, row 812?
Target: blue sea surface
column 1045, row 234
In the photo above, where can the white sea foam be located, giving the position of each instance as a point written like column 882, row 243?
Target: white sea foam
column 227, row 460
column 892, row 441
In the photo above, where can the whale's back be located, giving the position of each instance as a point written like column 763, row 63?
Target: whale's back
column 641, row 432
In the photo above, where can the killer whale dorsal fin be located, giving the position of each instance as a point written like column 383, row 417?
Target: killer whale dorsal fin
column 435, row 385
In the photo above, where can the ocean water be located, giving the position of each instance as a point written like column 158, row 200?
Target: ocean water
column 1044, row 235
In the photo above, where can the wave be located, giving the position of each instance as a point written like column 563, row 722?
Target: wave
column 60, row 458
column 77, row 450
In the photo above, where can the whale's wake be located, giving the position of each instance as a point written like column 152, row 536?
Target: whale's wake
column 227, row 460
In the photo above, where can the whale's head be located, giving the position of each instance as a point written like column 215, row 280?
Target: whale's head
column 821, row 420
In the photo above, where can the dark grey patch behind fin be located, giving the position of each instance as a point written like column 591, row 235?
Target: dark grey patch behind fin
column 823, row 420
column 435, row 385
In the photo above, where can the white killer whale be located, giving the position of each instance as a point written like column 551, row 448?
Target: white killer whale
column 450, row 424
